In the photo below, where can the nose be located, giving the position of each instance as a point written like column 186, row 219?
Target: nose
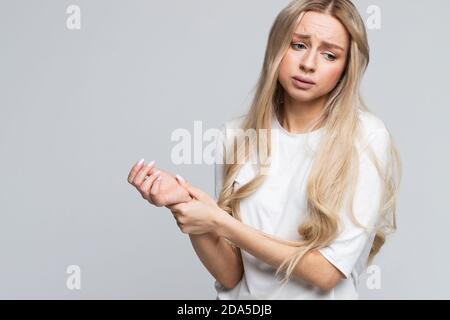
column 308, row 62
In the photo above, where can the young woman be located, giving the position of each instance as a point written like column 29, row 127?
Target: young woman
column 319, row 205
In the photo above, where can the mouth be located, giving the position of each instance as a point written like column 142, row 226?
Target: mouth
column 302, row 83
column 304, row 79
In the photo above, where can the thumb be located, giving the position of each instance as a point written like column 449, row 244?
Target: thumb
column 193, row 191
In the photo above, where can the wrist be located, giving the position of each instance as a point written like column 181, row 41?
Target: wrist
column 222, row 221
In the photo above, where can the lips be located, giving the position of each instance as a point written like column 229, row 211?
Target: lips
column 304, row 79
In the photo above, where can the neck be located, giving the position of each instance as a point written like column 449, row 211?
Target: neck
column 296, row 117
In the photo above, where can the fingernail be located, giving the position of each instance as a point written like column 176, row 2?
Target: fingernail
column 140, row 162
column 151, row 164
column 159, row 178
column 157, row 172
column 180, row 178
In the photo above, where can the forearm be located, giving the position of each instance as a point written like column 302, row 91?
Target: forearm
column 313, row 269
column 219, row 258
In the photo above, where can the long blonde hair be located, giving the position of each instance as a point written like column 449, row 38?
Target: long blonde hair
column 333, row 176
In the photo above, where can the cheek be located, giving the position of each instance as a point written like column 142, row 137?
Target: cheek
column 287, row 66
column 330, row 75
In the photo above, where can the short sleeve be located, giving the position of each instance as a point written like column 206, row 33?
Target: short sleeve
column 353, row 241
column 219, row 162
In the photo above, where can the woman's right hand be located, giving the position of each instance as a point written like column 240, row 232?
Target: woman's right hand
column 157, row 186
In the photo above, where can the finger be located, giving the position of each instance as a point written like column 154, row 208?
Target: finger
column 140, row 177
column 180, row 179
column 155, row 187
column 135, row 170
column 147, row 184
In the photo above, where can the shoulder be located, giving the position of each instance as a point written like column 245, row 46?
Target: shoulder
column 235, row 122
column 230, row 127
column 373, row 130
column 370, row 123
column 375, row 138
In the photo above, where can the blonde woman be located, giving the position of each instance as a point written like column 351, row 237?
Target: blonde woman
column 317, row 207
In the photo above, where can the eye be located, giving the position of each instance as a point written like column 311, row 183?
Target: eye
column 329, row 56
column 299, row 44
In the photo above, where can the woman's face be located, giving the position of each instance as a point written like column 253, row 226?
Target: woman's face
column 317, row 54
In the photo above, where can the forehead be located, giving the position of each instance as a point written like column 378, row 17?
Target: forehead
column 323, row 27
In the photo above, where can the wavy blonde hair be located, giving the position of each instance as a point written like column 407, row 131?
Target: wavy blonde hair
column 333, row 174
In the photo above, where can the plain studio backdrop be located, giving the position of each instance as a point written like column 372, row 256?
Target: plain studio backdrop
column 78, row 107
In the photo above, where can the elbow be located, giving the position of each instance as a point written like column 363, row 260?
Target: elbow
column 229, row 286
column 330, row 282
column 326, row 286
column 231, row 282
column 326, row 275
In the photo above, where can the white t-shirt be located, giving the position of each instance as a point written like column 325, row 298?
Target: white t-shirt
column 278, row 207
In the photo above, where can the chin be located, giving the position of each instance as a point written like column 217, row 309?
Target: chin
column 303, row 96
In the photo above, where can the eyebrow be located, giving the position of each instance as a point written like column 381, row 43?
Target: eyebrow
column 324, row 43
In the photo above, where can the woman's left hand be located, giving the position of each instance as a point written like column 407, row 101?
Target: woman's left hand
column 199, row 215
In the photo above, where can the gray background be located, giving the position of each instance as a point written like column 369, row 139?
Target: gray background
column 79, row 108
